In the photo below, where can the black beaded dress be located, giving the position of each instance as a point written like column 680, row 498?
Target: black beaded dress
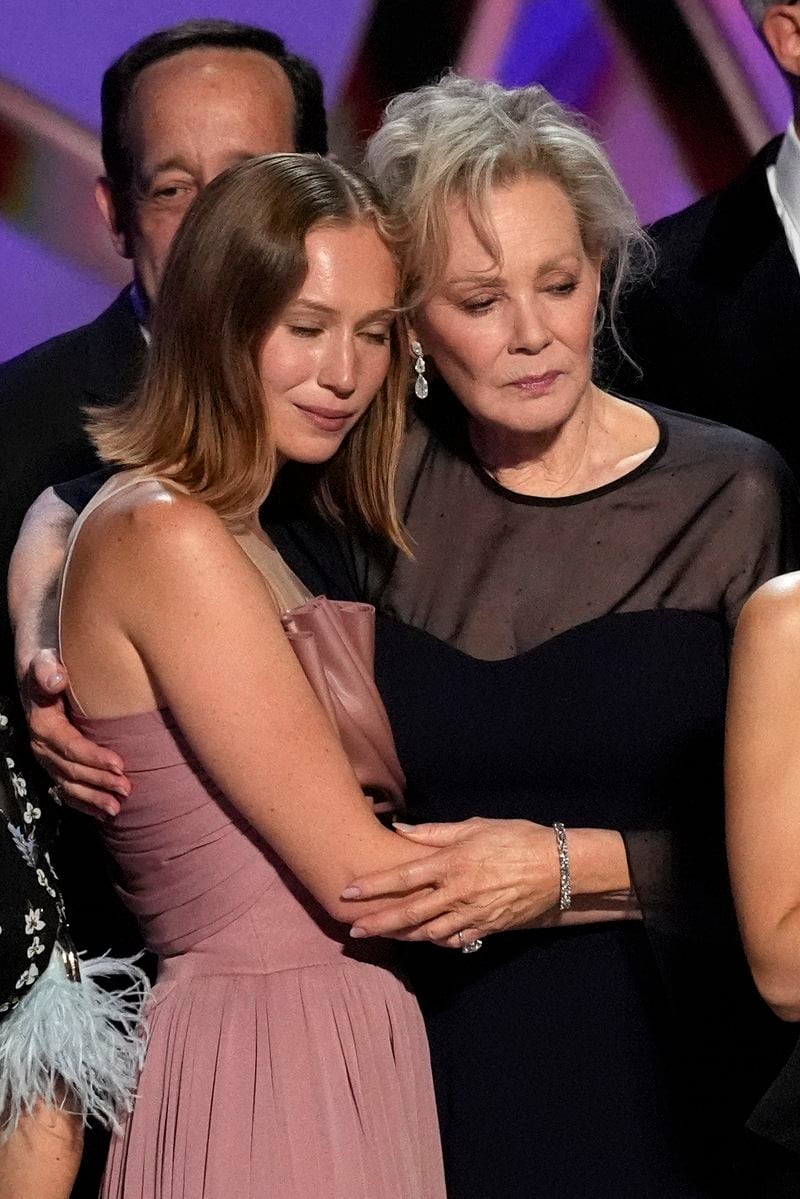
column 566, row 659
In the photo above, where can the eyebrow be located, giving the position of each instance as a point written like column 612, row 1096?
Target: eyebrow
column 492, row 277
column 170, row 164
column 176, row 163
column 379, row 314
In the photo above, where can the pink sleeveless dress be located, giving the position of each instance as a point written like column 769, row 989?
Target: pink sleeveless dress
column 284, row 1060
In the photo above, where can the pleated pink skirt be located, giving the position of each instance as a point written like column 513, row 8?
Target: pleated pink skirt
column 309, row 1083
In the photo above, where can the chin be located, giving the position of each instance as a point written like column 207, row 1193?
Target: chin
column 543, row 415
column 312, row 451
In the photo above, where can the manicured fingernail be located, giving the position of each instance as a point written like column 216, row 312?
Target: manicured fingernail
column 117, row 770
column 55, row 680
column 403, row 828
column 110, row 812
column 358, row 932
column 351, row 893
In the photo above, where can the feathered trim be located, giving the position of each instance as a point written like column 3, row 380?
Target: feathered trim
column 74, row 1045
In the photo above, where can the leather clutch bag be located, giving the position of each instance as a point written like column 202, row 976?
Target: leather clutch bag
column 334, row 641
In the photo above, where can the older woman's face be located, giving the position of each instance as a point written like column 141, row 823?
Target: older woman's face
column 514, row 340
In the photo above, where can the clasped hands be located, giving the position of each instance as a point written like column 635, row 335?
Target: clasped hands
column 488, row 876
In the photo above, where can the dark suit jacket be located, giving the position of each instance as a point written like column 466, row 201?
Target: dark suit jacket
column 42, row 396
column 716, row 331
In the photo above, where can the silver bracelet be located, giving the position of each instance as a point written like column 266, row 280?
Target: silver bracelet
column 564, row 875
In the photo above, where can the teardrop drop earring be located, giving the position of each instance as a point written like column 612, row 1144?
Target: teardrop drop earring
column 421, row 383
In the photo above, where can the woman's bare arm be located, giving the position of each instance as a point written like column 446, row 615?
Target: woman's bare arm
column 490, row 876
column 160, row 595
column 33, row 576
column 763, row 789
column 90, row 777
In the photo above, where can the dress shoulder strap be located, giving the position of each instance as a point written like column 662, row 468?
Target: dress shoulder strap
column 286, row 589
column 118, row 483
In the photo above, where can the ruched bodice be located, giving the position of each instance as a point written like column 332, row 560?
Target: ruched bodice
column 198, row 878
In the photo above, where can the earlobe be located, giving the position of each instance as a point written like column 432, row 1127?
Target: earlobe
column 411, row 334
column 781, row 30
column 104, row 198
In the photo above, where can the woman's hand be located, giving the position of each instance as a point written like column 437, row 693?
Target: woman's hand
column 89, row 779
column 488, row 876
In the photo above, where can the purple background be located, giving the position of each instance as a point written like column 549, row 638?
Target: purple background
column 58, row 50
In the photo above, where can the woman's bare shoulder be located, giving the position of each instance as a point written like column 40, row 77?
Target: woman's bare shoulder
column 154, row 516
column 774, row 610
column 153, row 539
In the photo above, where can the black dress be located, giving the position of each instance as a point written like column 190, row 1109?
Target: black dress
column 565, row 659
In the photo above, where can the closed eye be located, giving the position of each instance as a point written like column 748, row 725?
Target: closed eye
column 477, row 306
column 305, row 330
column 173, row 193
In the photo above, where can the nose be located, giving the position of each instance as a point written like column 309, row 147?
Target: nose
column 337, row 369
column 530, row 333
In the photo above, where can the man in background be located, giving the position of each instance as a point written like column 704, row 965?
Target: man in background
column 178, row 108
column 715, row 330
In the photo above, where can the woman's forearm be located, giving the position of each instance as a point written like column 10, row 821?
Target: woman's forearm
column 495, row 875
column 590, row 912
column 598, row 863
column 763, row 789
column 775, row 962
column 600, row 881
column 33, row 576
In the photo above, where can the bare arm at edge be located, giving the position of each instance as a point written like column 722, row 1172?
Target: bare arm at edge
column 763, row 789
column 90, row 778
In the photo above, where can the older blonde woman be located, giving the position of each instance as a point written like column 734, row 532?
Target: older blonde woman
column 553, row 659
column 554, row 664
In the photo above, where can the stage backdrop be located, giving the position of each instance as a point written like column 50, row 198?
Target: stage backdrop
column 680, row 91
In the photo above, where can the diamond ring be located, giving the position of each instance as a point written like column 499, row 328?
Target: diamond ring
column 469, row 946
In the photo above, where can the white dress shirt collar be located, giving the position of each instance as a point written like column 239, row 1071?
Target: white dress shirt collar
column 784, row 184
column 141, row 310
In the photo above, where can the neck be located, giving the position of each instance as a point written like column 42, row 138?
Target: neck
column 245, row 525
column 141, row 304
column 547, row 462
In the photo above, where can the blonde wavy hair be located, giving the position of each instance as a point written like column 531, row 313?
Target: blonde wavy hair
column 460, row 138
column 199, row 416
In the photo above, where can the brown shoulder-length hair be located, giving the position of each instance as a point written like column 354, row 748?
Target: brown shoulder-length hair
column 199, row 416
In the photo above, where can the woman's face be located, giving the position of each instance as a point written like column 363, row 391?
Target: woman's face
column 324, row 361
column 514, row 340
